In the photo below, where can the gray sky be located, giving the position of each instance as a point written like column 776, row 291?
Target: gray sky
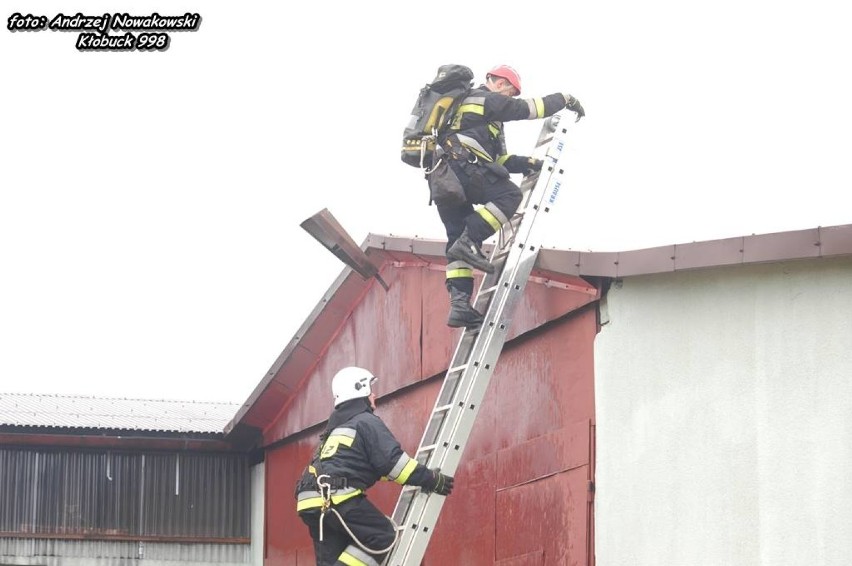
column 150, row 202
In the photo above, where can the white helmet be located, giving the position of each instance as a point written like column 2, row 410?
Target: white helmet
column 351, row 383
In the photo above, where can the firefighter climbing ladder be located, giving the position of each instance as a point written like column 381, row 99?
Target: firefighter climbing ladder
column 476, row 354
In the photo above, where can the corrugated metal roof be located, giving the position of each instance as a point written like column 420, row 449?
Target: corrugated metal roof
column 71, row 411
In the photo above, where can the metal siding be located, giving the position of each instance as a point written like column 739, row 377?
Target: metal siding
column 542, row 383
column 545, row 300
column 561, row 450
column 535, row 558
column 67, row 494
column 465, row 533
column 381, row 335
column 542, row 396
column 54, row 552
column 91, row 495
column 546, row 381
column 549, row 515
column 304, row 557
column 286, row 535
column 387, row 331
column 321, row 321
column 177, row 496
column 407, row 413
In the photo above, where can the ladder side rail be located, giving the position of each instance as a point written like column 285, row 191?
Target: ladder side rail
column 471, row 384
column 467, row 342
column 426, row 509
column 461, row 385
column 451, row 387
column 464, row 354
column 422, row 502
column 483, row 348
column 518, row 265
column 514, row 283
column 464, row 351
column 459, row 434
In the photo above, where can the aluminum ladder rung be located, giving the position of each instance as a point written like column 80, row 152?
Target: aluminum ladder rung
column 457, row 369
column 500, row 255
column 428, row 448
column 487, row 291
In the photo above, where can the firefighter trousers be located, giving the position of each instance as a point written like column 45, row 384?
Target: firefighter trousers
column 365, row 521
column 500, row 197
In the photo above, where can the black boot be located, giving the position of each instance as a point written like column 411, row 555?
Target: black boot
column 461, row 313
column 465, row 249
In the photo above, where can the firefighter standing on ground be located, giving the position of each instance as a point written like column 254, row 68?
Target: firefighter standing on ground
column 356, row 450
column 477, row 149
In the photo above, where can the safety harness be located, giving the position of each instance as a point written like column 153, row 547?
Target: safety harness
column 333, row 491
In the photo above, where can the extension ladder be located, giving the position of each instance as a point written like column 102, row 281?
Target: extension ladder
column 476, row 354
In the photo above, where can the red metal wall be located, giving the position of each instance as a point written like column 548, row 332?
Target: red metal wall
column 522, row 492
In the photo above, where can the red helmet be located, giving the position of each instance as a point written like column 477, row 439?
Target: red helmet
column 508, row 73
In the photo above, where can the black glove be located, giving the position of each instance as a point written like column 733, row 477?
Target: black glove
column 533, row 165
column 574, row 105
column 438, row 483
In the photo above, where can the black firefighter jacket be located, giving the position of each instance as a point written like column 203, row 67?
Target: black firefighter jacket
column 357, row 452
column 478, row 123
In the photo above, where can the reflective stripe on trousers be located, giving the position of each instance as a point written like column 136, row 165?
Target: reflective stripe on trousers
column 354, row 556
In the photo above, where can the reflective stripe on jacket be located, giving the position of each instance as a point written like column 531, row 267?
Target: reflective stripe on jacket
column 362, row 451
column 478, row 122
column 310, row 499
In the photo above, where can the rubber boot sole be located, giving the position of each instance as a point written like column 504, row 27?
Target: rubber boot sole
column 459, row 252
column 467, row 320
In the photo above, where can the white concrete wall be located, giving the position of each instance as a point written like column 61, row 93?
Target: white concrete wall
column 258, row 508
column 724, row 418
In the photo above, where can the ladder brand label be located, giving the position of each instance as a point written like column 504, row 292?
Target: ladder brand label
column 554, row 192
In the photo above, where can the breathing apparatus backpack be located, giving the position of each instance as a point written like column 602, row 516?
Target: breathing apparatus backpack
column 433, row 112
